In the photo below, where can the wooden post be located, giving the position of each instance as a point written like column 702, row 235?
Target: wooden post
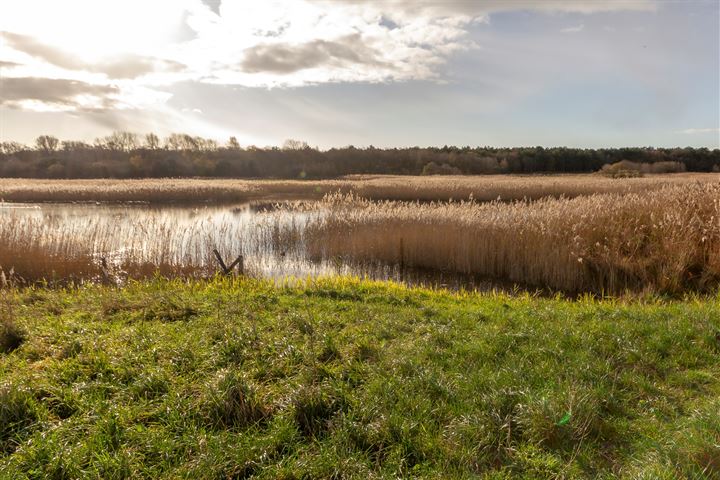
column 239, row 262
column 220, row 261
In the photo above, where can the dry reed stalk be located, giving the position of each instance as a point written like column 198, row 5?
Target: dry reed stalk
column 409, row 188
column 666, row 240
column 58, row 246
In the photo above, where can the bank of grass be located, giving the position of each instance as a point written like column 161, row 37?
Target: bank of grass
column 352, row 379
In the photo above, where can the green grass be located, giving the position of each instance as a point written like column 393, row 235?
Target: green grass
column 342, row 378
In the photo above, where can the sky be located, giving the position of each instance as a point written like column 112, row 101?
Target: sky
column 388, row 73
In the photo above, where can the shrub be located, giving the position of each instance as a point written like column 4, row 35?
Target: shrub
column 622, row 169
column 665, row 167
column 628, row 169
column 433, row 168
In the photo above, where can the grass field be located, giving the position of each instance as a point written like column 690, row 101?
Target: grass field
column 348, row 379
column 380, row 187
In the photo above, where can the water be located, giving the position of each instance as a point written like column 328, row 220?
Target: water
column 268, row 235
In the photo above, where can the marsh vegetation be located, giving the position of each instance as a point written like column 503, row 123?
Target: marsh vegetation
column 123, row 354
column 377, row 187
column 570, row 233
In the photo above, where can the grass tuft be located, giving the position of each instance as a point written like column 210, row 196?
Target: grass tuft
column 11, row 335
column 234, row 402
column 314, row 407
column 18, row 413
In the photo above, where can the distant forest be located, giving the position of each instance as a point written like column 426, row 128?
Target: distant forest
column 127, row 155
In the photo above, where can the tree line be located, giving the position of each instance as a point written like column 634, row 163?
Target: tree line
column 128, row 155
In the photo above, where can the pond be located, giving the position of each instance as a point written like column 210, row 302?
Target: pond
column 268, row 235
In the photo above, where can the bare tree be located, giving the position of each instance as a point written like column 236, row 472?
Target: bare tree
column 10, row 148
column 74, row 146
column 119, row 141
column 233, row 144
column 181, row 141
column 206, row 144
column 47, row 143
column 291, row 144
column 152, row 141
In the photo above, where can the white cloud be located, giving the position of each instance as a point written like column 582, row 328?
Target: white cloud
column 135, row 48
column 576, row 29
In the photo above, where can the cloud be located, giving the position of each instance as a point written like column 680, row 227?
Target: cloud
column 55, row 94
column 405, row 8
column 693, row 131
column 288, row 43
column 289, row 58
column 576, row 29
column 123, row 66
column 213, row 5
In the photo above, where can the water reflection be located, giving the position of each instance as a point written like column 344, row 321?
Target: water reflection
column 267, row 234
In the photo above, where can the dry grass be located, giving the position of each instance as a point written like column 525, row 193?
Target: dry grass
column 666, row 240
column 71, row 247
column 33, row 249
column 410, row 188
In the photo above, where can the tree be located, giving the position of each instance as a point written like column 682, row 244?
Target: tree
column 74, row 146
column 291, row 144
column 11, row 147
column 127, row 141
column 47, row 143
column 152, row 141
column 233, row 144
column 181, row 141
column 118, row 141
column 205, row 144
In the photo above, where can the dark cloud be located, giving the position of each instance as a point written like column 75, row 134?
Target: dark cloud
column 288, row 58
column 126, row 66
column 59, row 92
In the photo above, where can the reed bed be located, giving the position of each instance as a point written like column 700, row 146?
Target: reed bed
column 62, row 248
column 407, row 188
column 665, row 241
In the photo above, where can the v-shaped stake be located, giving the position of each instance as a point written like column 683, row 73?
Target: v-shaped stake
column 228, row 270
